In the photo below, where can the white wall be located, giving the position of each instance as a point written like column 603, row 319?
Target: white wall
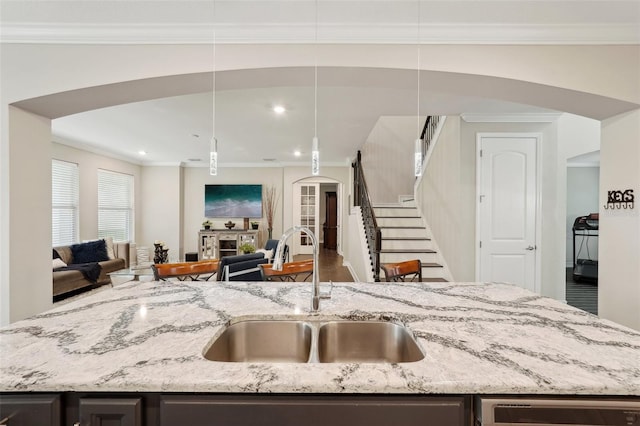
column 576, row 136
column 161, row 202
column 195, row 178
column 443, row 197
column 88, row 165
column 618, row 266
column 387, row 158
column 583, row 188
column 357, row 249
column 29, row 249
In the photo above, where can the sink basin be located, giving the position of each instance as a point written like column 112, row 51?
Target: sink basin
column 313, row 341
column 263, row 341
column 366, row 341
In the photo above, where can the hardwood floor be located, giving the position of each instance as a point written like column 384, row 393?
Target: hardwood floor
column 329, row 265
column 582, row 295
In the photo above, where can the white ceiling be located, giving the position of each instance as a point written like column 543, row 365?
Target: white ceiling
column 247, row 130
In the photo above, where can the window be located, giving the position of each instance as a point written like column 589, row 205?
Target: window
column 115, row 205
column 64, row 203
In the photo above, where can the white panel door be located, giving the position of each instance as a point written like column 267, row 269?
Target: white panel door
column 507, row 210
column 306, row 213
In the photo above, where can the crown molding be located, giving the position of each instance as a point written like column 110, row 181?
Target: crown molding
column 94, row 150
column 543, row 117
column 380, row 33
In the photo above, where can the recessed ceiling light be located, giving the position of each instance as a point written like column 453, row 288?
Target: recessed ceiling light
column 142, row 152
column 279, row 109
column 297, row 153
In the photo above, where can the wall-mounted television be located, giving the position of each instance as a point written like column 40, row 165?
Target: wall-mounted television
column 233, row 201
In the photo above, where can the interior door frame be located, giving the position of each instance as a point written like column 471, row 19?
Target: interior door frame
column 295, row 205
column 538, row 222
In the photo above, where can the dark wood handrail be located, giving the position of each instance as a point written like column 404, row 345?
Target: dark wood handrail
column 428, row 133
column 372, row 231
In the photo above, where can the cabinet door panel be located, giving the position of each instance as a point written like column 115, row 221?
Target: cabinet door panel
column 311, row 411
column 30, row 410
column 110, row 412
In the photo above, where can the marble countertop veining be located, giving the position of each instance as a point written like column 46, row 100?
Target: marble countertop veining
column 478, row 339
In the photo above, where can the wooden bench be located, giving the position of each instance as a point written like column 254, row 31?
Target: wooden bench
column 289, row 272
column 194, row 271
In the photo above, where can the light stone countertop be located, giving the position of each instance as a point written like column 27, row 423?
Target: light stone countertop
column 478, row 339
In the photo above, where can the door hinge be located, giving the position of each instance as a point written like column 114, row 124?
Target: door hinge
column 480, row 244
column 480, row 153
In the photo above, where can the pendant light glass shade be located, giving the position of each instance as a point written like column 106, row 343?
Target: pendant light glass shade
column 315, row 157
column 418, row 158
column 213, row 157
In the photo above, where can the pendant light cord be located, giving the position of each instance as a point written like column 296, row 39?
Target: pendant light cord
column 419, row 60
column 315, row 78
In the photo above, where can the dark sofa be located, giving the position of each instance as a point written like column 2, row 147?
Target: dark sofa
column 65, row 281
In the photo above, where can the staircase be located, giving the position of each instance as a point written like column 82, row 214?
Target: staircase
column 404, row 237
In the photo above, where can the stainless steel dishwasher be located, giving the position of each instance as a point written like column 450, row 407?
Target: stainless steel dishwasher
column 531, row 411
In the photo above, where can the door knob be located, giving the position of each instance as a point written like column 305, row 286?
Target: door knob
column 531, row 248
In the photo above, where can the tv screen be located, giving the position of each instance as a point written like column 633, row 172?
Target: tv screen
column 233, row 201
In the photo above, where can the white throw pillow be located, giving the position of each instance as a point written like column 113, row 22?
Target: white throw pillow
column 110, row 252
column 268, row 254
column 58, row 263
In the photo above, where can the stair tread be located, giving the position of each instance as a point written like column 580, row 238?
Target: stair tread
column 425, row 280
column 407, row 251
column 394, row 207
column 402, row 227
column 398, row 217
column 431, row 265
column 406, row 238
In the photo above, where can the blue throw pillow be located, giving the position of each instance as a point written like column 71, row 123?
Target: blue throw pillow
column 93, row 251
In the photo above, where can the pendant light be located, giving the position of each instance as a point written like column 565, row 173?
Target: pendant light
column 417, row 156
column 315, row 154
column 213, row 147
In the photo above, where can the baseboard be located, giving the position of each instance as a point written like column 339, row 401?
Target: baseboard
column 347, row 265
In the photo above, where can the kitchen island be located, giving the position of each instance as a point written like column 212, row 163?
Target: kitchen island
column 478, row 339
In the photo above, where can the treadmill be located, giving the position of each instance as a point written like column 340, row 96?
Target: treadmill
column 585, row 268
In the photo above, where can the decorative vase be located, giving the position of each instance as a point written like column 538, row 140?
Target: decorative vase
column 160, row 254
column 254, row 226
column 229, row 225
column 207, row 227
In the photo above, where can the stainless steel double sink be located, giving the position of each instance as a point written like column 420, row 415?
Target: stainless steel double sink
column 309, row 341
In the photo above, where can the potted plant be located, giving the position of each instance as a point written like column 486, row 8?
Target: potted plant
column 207, row 224
column 247, row 248
column 254, row 225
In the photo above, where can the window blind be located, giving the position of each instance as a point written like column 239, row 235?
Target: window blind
column 115, row 205
column 64, row 203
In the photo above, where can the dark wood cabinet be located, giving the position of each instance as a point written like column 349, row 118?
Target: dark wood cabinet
column 334, row 410
column 158, row 409
column 30, row 410
column 110, row 412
